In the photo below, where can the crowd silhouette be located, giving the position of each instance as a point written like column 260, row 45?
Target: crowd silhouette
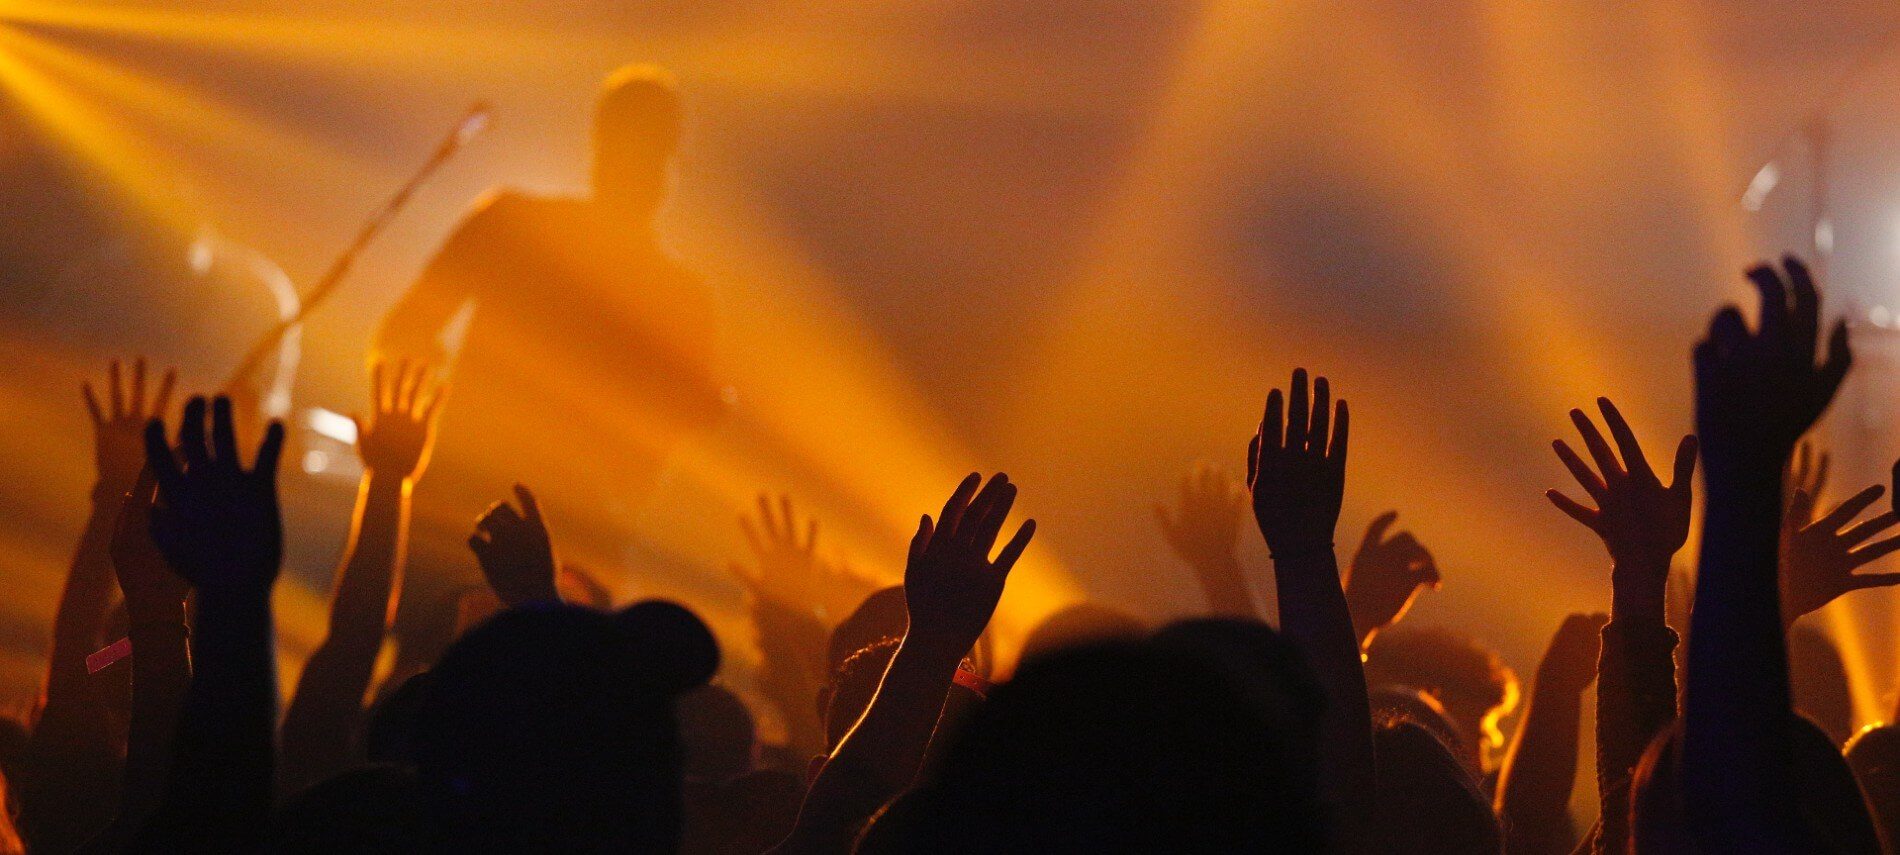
column 545, row 718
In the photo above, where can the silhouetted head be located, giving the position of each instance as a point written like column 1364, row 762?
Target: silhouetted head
column 1818, row 679
column 1831, row 805
column 551, row 727
column 852, row 686
column 717, row 733
column 1392, row 705
column 1123, row 747
column 1874, row 755
column 1467, row 678
column 881, row 615
column 637, row 125
column 372, row 810
column 1266, row 668
column 1427, row 801
column 1079, row 624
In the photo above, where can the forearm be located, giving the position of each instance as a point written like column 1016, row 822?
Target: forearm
column 1636, row 700
column 1736, row 741
column 219, row 794
column 370, row 574
column 1225, row 584
column 325, row 709
column 1313, row 615
column 1535, row 783
column 161, row 675
column 881, row 754
column 83, row 602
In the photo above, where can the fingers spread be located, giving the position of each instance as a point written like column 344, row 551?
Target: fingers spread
column 1599, row 449
column 1684, row 475
column 1573, row 508
column 1633, row 459
column 1579, row 470
column 1013, row 550
column 1298, row 413
column 1851, row 508
column 954, row 508
column 223, row 433
column 191, row 434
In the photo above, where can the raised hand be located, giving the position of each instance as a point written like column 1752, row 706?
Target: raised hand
column 951, row 585
column 514, row 551
column 1296, row 468
column 1570, row 662
column 1758, row 391
column 143, row 574
column 1385, row 577
column 216, row 523
column 1202, row 530
column 118, row 431
column 1205, row 523
column 1641, row 522
column 397, row 439
column 1818, row 558
column 787, row 567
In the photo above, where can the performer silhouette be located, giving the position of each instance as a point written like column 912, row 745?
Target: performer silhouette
column 587, row 348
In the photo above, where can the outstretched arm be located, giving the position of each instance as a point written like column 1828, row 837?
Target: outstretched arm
column 118, row 455
column 1642, row 524
column 218, row 527
column 1296, row 469
column 1757, row 392
column 1535, row 782
column 785, row 590
column 73, row 734
column 325, row 711
column 1202, row 530
column 951, row 587
column 161, row 662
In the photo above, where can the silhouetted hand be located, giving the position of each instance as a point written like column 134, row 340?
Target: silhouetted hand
column 397, row 439
column 1205, row 523
column 1641, row 522
column 787, row 567
column 1806, row 473
column 1386, row 575
column 144, row 577
column 118, row 432
column 216, row 524
column 1570, row 662
column 951, row 586
column 1296, row 469
column 514, row 552
column 1818, row 558
column 1758, row 392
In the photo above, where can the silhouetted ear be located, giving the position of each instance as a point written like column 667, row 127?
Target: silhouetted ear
column 672, row 648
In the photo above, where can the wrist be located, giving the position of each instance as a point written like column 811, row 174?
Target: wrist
column 929, row 650
column 382, row 484
column 1639, row 590
column 1300, row 550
